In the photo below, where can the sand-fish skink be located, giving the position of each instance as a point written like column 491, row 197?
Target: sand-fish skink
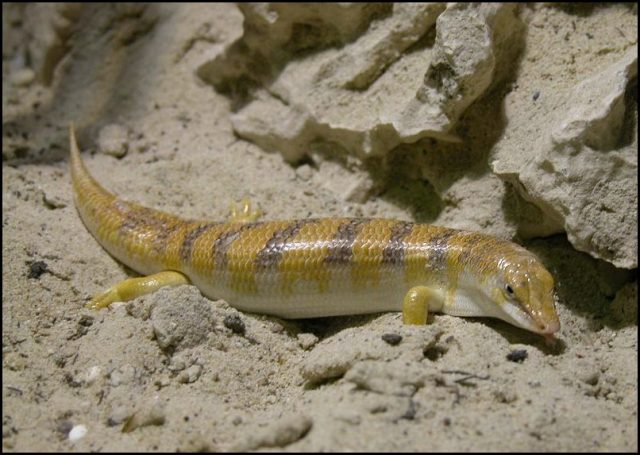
column 320, row 266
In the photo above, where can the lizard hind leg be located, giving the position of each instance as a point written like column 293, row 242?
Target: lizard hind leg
column 415, row 306
column 131, row 288
column 244, row 213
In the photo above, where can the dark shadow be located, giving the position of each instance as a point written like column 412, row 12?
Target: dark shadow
column 582, row 9
column 329, row 326
column 585, row 285
column 629, row 127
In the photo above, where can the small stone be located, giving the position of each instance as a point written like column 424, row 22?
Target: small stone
column 235, row 324
column 190, row 375
column 304, row 172
column 53, row 201
column 517, row 355
column 36, row 269
column 177, row 363
column 77, row 432
column 276, row 327
column 113, row 140
column 93, row 374
column 23, row 77
column 307, row 340
column 392, row 339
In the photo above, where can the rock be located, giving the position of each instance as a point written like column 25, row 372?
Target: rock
column 113, row 140
column 22, row 77
column 275, row 32
column 624, row 308
column 581, row 176
column 77, row 432
column 91, row 375
column 307, row 340
column 304, row 172
column 190, row 375
column 371, row 95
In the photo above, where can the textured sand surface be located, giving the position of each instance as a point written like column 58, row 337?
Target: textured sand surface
column 176, row 371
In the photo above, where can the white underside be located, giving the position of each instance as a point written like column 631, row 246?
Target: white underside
column 305, row 301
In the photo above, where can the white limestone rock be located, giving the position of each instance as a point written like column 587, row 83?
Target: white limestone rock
column 582, row 174
column 382, row 88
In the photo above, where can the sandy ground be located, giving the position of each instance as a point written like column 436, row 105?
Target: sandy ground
column 175, row 371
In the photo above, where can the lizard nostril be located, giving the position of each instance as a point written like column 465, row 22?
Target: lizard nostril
column 550, row 327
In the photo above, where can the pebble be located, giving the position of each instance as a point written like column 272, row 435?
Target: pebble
column 235, row 324
column 305, row 172
column 517, row 355
column 93, row 374
column 53, row 200
column 392, row 339
column 77, row 432
column 113, row 140
column 276, row 327
column 23, row 77
column 307, row 340
column 190, row 375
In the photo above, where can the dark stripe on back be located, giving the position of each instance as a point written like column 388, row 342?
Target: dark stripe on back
column 142, row 221
column 394, row 252
column 222, row 243
column 440, row 248
column 187, row 244
column 341, row 246
column 271, row 254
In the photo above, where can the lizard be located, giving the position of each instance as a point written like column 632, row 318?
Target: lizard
column 317, row 267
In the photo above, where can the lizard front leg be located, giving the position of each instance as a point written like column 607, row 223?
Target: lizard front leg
column 415, row 307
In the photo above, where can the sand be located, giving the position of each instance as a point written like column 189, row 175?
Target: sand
column 175, row 371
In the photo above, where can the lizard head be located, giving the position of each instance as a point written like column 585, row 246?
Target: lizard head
column 524, row 291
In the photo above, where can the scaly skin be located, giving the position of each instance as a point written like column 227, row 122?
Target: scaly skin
column 318, row 267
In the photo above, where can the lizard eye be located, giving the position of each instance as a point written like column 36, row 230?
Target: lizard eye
column 509, row 289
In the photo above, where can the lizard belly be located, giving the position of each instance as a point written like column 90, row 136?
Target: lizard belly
column 304, row 298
